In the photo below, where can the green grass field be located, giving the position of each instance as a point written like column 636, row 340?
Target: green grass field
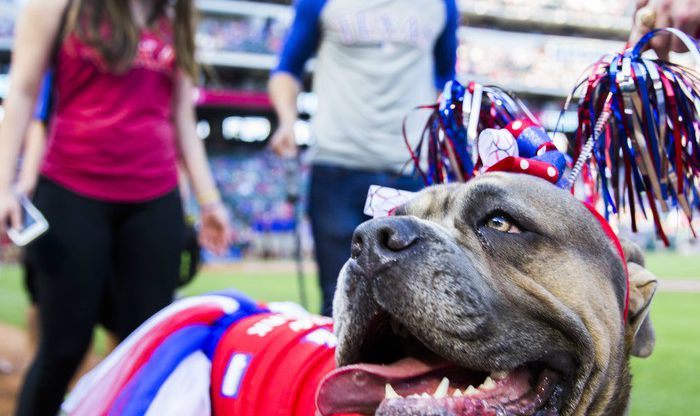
column 673, row 265
column 666, row 384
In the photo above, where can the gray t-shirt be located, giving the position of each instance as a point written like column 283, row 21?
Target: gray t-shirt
column 376, row 61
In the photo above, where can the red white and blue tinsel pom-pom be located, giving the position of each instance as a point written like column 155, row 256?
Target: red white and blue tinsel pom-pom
column 638, row 137
column 637, row 144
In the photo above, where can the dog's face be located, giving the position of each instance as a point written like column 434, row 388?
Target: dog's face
column 508, row 287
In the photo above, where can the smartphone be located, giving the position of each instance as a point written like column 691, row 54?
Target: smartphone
column 33, row 224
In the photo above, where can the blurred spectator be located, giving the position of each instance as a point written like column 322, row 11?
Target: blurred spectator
column 590, row 7
column 253, row 188
column 535, row 62
column 108, row 187
column 376, row 62
column 253, row 34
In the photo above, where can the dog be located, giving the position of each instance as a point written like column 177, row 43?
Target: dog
column 501, row 296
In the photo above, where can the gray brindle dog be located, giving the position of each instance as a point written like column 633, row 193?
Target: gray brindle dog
column 502, row 296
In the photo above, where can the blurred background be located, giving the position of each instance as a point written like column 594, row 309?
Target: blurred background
column 535, row 48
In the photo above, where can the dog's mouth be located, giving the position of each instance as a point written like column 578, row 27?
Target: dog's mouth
column 396, row 374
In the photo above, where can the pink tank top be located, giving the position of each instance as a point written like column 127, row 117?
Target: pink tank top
column 111, row 136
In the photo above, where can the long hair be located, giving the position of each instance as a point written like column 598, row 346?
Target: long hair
column 119, row 43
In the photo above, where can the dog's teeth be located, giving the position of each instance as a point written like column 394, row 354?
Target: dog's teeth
column 390, row 393
column 457, row 393
column 425, row 396
column 488, row 384
column 441, row 390
column 413, row 396
column 470, row 391
column 499, row 375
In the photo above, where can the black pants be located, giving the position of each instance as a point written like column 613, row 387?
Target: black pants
column 137, row 244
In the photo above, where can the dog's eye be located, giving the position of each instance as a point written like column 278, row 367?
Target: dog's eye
column 502, row 223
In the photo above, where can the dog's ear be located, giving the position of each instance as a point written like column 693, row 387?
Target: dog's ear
column 643, row 286
column 633, row 254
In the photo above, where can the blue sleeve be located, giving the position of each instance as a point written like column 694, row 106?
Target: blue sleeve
column 303, row 37
column 445, row 51
column 43, row 100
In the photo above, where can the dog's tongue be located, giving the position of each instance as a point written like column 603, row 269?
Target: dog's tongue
column 360, row 388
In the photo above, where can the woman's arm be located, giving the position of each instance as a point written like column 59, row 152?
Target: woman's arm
column 215, row 229
column 191, row 147
column 35, row 32
column 32, row 156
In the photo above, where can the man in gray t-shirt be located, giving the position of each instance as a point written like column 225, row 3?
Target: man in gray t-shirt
column 376, row 60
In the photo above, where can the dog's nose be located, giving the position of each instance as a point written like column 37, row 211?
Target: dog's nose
column 384, row 236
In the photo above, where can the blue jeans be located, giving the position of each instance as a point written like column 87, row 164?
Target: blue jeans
column 336, row 201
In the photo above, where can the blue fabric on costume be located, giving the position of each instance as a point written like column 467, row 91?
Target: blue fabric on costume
column 136, row 397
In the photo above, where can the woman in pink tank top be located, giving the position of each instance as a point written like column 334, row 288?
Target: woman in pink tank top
column 122, row 116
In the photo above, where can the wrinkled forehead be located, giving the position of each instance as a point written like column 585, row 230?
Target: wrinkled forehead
column 522, row 194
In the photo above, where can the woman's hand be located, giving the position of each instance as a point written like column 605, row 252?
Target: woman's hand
column 10, row 212
column 215, row 229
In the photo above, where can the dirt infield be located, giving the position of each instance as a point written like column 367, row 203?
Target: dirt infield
column 15, row 354
column 14, row 358
column 683, row 286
